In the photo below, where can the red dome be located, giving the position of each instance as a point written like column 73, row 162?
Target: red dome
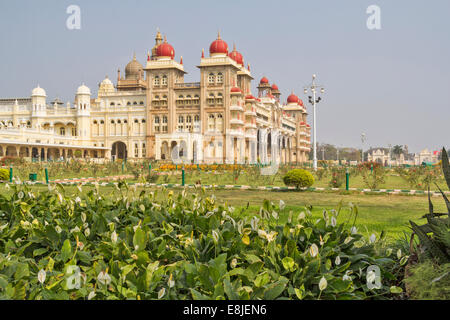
column 264, row 80
column 237, row 56
column 236, row 89
column 292, row 98
column 274, row 87
column 218, row 46
column 249, row 97
column 308, row 125
column 165, row 50
column 300, row 102
column 302, row 123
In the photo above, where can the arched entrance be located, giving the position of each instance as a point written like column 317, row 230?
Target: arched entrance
column 164, row 150
column 119, row 150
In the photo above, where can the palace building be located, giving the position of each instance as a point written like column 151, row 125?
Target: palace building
column 151, row 112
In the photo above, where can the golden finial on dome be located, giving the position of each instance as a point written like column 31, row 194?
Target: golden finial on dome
column 165, row 39
column 218, row 34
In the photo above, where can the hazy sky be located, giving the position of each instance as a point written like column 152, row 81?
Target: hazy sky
column 393, row 84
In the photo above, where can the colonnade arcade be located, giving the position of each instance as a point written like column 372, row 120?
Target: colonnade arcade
column 266, row 146
column 45, row 153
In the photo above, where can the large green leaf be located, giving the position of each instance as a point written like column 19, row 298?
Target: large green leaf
column 275, row 289
column 446, row 167
column 66, row 251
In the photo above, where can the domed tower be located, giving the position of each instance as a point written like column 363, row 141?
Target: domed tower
column 134, row 70
column 158, row 41
column 275, row 91
column 38, row 99
column 218, row 47
column 106, row 87
column 83, row 105
column 263, row 87
column 134, row 77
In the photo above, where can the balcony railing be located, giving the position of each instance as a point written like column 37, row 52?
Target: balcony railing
column 187, row 85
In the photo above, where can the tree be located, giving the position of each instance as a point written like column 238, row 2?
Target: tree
column 397, row 150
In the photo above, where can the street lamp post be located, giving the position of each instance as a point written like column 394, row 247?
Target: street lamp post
column 313, row 101
column 363, row 139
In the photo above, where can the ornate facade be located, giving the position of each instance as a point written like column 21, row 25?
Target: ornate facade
column 152, row 113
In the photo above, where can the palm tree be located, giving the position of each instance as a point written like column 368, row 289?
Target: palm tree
column 397, row 150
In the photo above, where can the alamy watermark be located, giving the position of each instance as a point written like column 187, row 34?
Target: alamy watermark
column 374, row 20
column 73, row 22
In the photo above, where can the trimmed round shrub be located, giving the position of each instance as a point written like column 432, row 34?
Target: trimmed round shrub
column 299, row 178
column 4, row 174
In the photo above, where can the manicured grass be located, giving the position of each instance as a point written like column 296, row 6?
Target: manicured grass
column 376, row 213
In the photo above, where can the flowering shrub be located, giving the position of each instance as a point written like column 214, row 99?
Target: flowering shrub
column 337, row 177
column 128, row 245
column 373, row 179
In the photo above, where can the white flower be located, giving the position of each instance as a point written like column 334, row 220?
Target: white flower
column 399, row 253
column 171, row 282
column 282, row 205
column 41, row 275
column 337, row 261
column 262, row 234
column 83, row 217
column 323, row 284
column 20, row 195
column 333, row 221
column 77, row 200
column 313, row 250
column 353, row 230
column 346, row 277
column 233, row 263
column 87, row 232
column 58, row 229
column 215, row 236
column 347, row 240
column 254, row 223
column 91, row 295
column 161, row 293
column 104, row 278
column 325, row 215
column 79, row 188
column 372, row 238
column 114, row 237
column 371, row 276
column 76, row 229
column 271, row 236
column 301, row 216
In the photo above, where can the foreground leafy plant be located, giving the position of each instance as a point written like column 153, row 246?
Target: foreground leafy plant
column 128, row 245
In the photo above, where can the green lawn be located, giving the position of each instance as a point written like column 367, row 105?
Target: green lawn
column 376, row 212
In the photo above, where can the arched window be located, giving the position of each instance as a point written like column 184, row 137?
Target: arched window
column 128, row 103
column 112, row 121
column 164, row 80
column 156, row 119
column 141, row 103
column 211, row 98
column 135, row 103
column 220, row 78
column 156, row 81
column 136, row 121
column 119, row 122
column 180, row 119
column 196, row 118
column 189, row 119
column 164, row 119
column 143, row 121
column 112, row 104
column 211, row 78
